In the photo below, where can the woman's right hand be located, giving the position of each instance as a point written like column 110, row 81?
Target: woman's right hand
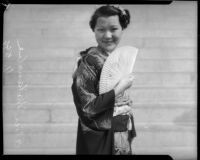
column 124, row 84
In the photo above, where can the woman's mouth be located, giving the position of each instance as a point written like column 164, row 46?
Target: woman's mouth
column 108, row 42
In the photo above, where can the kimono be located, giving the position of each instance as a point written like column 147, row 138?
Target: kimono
column 96, row 124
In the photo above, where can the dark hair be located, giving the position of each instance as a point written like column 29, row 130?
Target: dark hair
column 109, row 10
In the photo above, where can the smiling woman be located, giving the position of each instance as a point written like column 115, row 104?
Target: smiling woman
column 99, row 131
column 108, row 24
column 108, row 32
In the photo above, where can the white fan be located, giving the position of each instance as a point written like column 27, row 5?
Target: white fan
column 118, row 64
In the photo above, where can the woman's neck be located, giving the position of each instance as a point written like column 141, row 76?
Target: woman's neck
column 103, row 50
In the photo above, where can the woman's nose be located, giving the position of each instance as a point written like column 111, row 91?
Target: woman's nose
column 108, row 34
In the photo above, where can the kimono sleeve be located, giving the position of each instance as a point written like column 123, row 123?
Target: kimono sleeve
column 89, row 103
column 86, row 82
column 93, row 109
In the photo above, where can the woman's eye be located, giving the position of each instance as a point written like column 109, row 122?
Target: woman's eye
column 101, row 30
column 114, row 29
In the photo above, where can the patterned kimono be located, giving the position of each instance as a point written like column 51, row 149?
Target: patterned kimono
column 96, row 124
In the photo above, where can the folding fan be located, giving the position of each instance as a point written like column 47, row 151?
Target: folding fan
column 118, row 64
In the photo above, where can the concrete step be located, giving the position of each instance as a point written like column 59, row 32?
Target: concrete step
column 53, row 94
column 141, row 79
column 40, row 78
column 163, row 136
column 54, row 54
column 40, row 140
column 62, row 42
column 149, row 13
column 54, row 114
column 48, row 128
column 160, row 42
column 165, row 115
column 177, row 153
column 70, row 105
column 166, row 53
column 40, row 151
column 56, row 31
column 67, row 65
column 42, row 53
column 161, row 33
column 166, row 137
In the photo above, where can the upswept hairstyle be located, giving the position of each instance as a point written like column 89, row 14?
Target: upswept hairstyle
column 110, row 10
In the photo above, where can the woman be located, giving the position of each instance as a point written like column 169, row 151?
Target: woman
column 96, row 124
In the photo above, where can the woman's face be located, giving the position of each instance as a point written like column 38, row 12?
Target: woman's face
column 108, row 32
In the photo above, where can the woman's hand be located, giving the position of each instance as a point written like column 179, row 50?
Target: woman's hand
column 128, row 102
column 124, row 84
column 123, row 110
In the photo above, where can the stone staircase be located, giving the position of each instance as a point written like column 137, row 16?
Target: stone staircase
column 164, row 91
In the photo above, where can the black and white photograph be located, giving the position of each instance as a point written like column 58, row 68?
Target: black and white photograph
column 100, row 79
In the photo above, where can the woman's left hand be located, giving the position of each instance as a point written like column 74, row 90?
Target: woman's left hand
column 128, row 102
column 123, row 110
